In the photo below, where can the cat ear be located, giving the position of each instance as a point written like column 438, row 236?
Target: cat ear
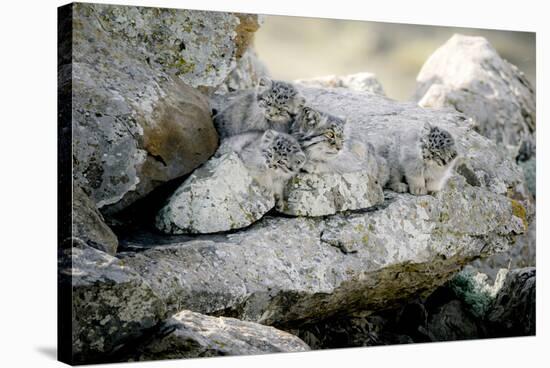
column 300, row 101
column 264, row 82
column 314, row 116
column 301, row 159
column 268, row 135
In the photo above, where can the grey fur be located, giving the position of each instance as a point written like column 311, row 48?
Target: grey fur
column 271, row 157
column 321, row 136
column 329, row 146
column 419, row 162
column 271, row 105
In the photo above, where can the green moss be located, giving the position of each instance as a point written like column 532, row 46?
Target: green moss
column 365, row 239
column 519, row 211
column 183, row 66
column 467, row 290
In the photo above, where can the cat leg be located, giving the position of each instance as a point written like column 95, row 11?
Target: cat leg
column 433, row 186
column 309, row 167
column 414, row 175
column 437, row 182
column 395, row 182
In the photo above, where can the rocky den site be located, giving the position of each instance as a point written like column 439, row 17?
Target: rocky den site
column 176, row 252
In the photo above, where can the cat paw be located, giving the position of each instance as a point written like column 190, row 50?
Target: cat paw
column 308, row 168
column 418, row 190
column 399, row 187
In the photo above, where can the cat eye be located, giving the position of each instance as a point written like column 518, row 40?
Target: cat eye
column 329, row 135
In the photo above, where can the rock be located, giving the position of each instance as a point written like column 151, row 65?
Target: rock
column 192, row 335
column 457, row 310
column 248, row 72
column 353, row 331
column 361, row 82
column 111, row 305
column 137, row 120
column 513, row 312
column 285, row 271
column 521, row 255
column 329, row 193
column 529, row 168
column 372, row 117
column 474, row 290
column 200, row 47
column 468, row 74
column 219, row 196
column 89, row 226
column 453, row 322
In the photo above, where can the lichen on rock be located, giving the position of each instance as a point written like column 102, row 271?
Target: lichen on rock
column 329, row 193
column 111, row 305
column 219, row 196
column 190, row 335
column 139, row 77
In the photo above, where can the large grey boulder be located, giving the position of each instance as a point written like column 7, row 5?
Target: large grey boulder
column 329, row 193
column 191, row 335
column 138, row 120
column 281, row 271
column 361, row 82
column 468, row 74
column 219, row 196
column 88, row 224
column 110, row 304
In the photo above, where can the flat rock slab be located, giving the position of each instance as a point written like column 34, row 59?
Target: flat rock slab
column 284, row 270
column 329, row 193
column 219, row 196
column 192, row 335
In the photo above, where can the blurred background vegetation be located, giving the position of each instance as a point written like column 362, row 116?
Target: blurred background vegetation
column 297, row 47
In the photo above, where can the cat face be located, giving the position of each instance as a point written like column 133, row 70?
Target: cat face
column 282, row 153
column 279, row 101
column 439, row 146
column 321, row 135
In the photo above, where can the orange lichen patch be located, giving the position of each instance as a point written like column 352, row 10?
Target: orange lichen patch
column 519, row 211
column 245, row 32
